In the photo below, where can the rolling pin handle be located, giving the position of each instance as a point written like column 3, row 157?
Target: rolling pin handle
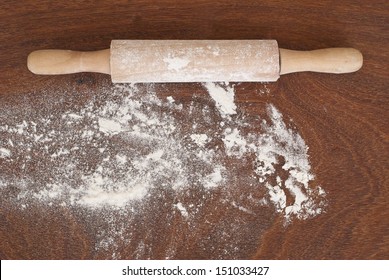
column 331, row 60
column 53, row 62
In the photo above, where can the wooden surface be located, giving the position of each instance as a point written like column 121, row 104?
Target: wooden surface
column 342, row 118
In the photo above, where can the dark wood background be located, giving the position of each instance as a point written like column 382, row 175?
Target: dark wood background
column 343, row 118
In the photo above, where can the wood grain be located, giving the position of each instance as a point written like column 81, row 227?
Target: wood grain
column 342, row 118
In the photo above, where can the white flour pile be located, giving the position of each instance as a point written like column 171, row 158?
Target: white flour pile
column 125, row 149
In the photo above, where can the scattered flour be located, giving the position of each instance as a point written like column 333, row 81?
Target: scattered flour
column 277, row 142
column 4, row 153
column 108, row 126
column 223, row 97
column 176, row 63
column 234, row 143
column 133, row 146
column 182, row 209
column 170, row 99
column 199, row 139
column 215, row 178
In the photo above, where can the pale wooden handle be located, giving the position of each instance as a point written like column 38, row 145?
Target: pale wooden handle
column 53, row 62
column 332, row 60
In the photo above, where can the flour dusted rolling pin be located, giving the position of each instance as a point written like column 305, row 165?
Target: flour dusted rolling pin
column 132, row 61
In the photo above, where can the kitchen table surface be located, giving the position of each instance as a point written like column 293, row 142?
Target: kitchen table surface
column 298, row 169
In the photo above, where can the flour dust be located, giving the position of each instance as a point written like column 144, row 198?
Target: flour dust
column 133, row 153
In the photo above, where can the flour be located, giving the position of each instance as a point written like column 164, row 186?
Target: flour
column 241, row 208
column 199, row 139
column 276, row 142
column 154, row 153
column 122, row 155
column 176, row 63
column 4, row 153
column 215, row 178
column 234, row 143
column 223, row 97
column 108, row 126
column 170, row 99
column 182, row 209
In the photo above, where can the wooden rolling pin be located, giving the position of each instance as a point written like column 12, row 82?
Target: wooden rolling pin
column 133, row 61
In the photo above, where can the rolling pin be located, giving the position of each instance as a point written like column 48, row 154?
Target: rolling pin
column 145, row 61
